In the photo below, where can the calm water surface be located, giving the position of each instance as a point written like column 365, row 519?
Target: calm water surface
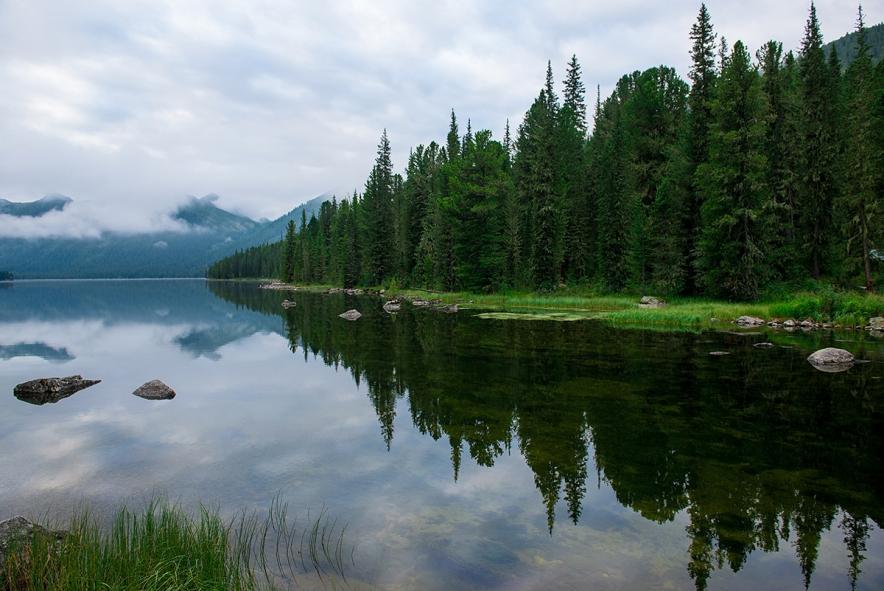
column 463, row 453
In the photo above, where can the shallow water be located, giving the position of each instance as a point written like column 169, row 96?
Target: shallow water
column 462, row 452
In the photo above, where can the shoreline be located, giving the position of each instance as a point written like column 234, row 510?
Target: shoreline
column 852, row 311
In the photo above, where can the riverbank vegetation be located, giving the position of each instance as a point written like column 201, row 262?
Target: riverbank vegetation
column 759, row 170
column 164, row 548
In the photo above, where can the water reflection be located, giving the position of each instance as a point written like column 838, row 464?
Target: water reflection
column 758, row 449
column 41, row 350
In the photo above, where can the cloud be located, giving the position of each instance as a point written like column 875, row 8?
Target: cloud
column 133, row 105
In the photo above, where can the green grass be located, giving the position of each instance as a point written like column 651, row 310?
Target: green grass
column 165, row 548
column 822, row 304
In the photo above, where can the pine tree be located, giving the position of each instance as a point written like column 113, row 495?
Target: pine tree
column 378, row 216
column 571, row 150
column 817, row 141
column 861, row 199
column 731, row 261
column 702, row 77
column 288, row 268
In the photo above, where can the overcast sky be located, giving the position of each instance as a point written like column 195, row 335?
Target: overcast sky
column 130, row 106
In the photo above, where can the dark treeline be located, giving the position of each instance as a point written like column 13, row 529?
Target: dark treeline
column 761, row 169
column 766, row 455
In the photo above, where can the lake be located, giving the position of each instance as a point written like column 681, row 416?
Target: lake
column 461, row 452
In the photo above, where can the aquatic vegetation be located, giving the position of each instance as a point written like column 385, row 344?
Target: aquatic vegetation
column 163, row 547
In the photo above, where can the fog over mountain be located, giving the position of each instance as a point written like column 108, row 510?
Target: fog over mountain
column 179, row 244
column 126, row 106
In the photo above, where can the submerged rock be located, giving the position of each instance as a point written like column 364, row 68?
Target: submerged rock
column 719, row 353
column 831, row 359
column 763, row 345
column 749, row 321
column 51, row 390
column 350, row 315
column 651, row 302
column 452, row 309
column 288, row 304
column 420, row 303
column 876, row 323
column 155, row 390
column 18, row 532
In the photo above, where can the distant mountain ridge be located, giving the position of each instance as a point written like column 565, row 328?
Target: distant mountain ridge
column 34, row 209
column 848, row 45
column 214, row 233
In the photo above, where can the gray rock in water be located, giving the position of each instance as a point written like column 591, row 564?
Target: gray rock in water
column 288, row 304
column 789, row 323
column 749, row 321
column 719, row 353
column 350, row 315
column 18, row 532
column 392, row 307
column 155, row 390
column 763, row 345
column 51, row 390
column 420, row 303
column 876, row 323
column 831, row 360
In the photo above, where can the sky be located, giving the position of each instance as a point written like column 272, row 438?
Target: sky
column 130, row 107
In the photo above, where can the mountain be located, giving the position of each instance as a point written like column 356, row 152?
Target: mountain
column 34, row 209
column 213, row 234
column 203, row 213
column 846, row 46
column 274, row 231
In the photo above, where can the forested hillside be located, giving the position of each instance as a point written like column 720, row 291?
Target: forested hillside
column 211, row 233
column 764, row 166
column 847, row 46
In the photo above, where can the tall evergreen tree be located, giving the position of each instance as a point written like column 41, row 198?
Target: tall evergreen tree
column 861, row 200
column 731, row 260
column 377, row 205
column 817, row 141
column 702, row 77
column 288, row 267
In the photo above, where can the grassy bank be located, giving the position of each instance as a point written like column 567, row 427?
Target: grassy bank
column 165, row 548
column 823, row 305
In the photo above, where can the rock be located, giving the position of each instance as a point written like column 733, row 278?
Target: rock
column 51, row 390
column 807, row 323
column 350, row 315
column 650, row 302
column 763, row 345
column 452, row 309
column 335, row 290
column 719, row 353
column 749, row 321
column 420, row 303
column 876, row 323
column 392, row 307
column 831, row 359
column 155, row 390
column 18, row 532
column 789, row 323
column 288, row 304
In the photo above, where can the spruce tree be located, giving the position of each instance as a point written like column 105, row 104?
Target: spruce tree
column 288, row 267
column 731, row 261
column 861, row 200
column 817, row 142
column 702, row 77
column 378, row 216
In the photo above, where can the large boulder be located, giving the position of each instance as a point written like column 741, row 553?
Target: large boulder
column 651, row 302
column 51, row 390
column 831, row 360
column 350, row 315
column 155, row 390
column 749, row 321
column 17, row 533
column 876, row 323
column 392, row 307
